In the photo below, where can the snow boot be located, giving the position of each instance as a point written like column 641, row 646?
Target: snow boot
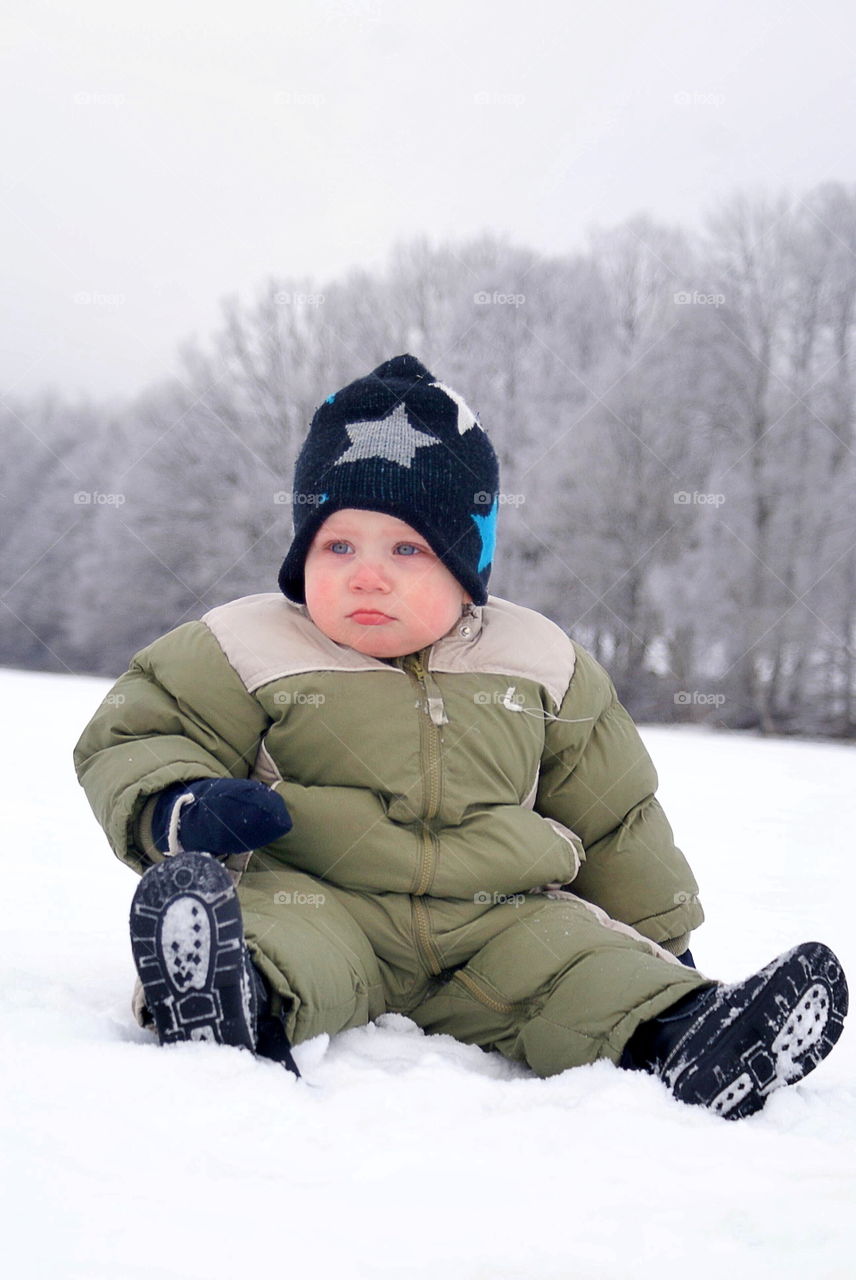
column 728, row 1048
column 187, row 939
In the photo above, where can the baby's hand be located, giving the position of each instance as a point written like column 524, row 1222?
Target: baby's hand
column 219, row 815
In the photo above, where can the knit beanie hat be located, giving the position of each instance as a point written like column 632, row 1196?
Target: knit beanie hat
column 399, row 442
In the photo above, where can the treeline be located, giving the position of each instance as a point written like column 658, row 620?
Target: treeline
column 674, row 414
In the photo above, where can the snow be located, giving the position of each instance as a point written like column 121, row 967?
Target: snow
column 401, row 1155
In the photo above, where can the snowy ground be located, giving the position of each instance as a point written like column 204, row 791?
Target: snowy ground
column 401, row 1155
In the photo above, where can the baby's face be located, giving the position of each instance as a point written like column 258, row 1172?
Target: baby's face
column 373, row 582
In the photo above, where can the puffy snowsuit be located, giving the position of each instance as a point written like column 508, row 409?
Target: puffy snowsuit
column 439, row 801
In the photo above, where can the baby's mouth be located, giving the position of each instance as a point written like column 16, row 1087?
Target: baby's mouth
column 370, row 617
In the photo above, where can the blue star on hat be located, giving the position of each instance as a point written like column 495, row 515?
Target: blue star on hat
column 486, row 526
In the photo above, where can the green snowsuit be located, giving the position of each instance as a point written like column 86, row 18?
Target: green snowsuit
column 440, row 802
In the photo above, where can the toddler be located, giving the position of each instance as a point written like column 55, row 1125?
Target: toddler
column 380, row 789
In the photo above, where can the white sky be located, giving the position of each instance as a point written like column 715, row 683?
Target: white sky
column 161, row 157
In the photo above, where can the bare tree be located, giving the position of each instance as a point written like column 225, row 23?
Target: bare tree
column 674, row 418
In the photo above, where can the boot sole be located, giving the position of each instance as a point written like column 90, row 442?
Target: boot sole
column 187, row 939
column 756, row 1036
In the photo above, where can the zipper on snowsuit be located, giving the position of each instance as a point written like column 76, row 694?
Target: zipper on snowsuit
column 432, row 715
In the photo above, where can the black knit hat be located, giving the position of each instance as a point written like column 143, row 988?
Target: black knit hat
column 399, row 442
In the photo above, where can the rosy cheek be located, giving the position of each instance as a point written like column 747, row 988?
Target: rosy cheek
column 320, row 590
column 319, row 585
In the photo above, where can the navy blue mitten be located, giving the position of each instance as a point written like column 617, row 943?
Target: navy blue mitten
column 226, row 815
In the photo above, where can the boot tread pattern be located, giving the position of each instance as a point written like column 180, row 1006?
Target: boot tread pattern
column 753, row 1037
column 187, row 940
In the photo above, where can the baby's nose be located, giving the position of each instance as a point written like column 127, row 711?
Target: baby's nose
column 368, row 575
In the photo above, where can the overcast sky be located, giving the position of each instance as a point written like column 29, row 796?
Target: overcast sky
column 159, row 157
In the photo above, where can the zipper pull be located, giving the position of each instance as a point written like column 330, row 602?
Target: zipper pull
column 437, row 710
column 433, row 697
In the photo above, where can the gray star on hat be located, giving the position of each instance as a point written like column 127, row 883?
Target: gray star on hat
column 391, row 437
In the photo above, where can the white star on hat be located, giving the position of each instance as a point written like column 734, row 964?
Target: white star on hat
column 466, row 417
column 391, row 437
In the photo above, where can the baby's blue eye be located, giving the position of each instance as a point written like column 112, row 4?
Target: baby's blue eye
column 407, row 549
column 340, row 548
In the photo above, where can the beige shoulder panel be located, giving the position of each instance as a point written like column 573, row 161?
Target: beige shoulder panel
column 266, row 637
column 509, row 640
